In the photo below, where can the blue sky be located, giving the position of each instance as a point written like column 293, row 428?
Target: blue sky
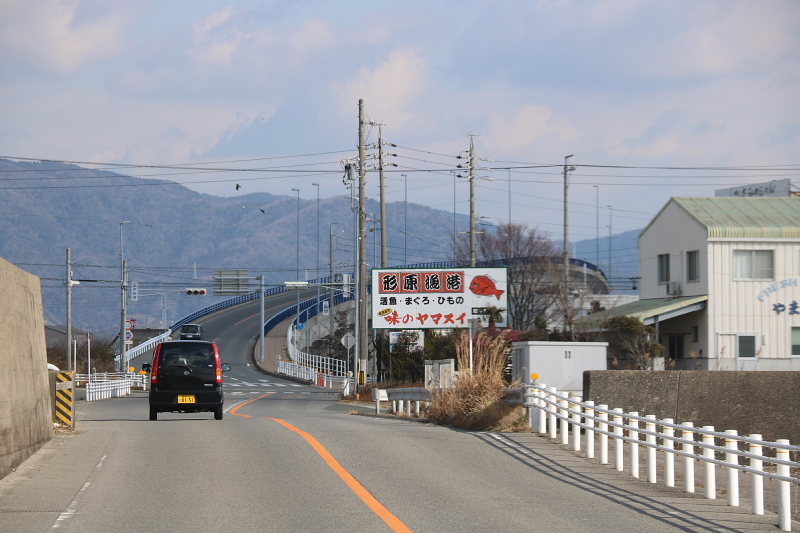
column 615, row 82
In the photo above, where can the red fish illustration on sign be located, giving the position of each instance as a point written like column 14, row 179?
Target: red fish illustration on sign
column 485, row 286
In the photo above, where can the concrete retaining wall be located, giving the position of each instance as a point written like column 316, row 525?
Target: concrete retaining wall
column 749, row 402
column 25, row 407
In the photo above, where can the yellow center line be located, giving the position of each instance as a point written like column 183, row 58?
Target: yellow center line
column 383, row 513
column 233, row 411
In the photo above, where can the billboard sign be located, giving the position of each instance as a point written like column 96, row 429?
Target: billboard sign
column 770, row 188
column 436, row 298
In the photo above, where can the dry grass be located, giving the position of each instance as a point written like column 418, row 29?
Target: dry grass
column 476, row 401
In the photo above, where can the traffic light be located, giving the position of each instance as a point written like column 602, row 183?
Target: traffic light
column 196, row 292
column 135, row 291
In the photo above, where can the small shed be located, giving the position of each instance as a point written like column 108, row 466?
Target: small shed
column 558, row 364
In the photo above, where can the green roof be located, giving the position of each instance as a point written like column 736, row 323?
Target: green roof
column 646, row 311
column 736, row 217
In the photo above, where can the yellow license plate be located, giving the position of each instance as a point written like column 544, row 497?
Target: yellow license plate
column 186, row 398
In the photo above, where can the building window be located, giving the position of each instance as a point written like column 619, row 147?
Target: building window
column 795, row 341
column 693, row 266
column 753, row 265
column 663, row 268
column 747, row 345
column 695, row 333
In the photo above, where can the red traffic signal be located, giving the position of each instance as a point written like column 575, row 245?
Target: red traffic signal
column 196, row 292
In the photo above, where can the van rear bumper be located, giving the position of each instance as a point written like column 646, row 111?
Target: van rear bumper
column 167, row 401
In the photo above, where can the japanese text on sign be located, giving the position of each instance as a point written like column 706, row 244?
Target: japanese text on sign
column 428, row 298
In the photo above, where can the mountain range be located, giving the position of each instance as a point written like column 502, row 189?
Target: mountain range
column 174, row 238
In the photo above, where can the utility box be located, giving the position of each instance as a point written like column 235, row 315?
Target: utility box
column 440, row 374
column 558, row 364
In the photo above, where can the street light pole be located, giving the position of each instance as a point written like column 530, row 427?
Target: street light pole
column 332, row 290
column 318, row 273
column 297, row 266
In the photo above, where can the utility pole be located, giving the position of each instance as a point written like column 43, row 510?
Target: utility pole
column 382, row 183
column 124, row 290
column 361, row 346
column 123, row 329
column 69, row 285
column 405, row 219
column 472, row 256
column 609, row 243
column 597, row 225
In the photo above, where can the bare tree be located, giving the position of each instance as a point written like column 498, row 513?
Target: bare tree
column 532, row 272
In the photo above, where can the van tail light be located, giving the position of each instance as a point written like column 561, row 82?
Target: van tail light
column 154, row 370
column 217, row 364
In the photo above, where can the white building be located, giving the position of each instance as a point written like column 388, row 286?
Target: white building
column 720, row 282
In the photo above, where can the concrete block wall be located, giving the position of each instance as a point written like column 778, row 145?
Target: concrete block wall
column 749, row 402
column 26, row 422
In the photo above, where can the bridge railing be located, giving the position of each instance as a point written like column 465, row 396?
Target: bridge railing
column 563, row 418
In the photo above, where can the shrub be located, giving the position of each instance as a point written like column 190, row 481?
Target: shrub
column 476, row 400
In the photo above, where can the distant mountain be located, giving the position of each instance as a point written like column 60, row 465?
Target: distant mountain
column 174, row 238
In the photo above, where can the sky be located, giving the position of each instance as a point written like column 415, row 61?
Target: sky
column 653, row 99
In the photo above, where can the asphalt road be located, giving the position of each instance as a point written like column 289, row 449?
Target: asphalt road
column 289, row 457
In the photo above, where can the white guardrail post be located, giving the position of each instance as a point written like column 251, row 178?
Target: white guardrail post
column 618, row 430
column 757, row 481
column 603, row 428
column 553, row 410
column 650, row 427
column 688, row 464
column 590, row 430
column 784, row 494
column 563, row 417
column 669, row 457
column 560, row 413
column 576, row 421
column 733, row 473
column 710, row 479
column 633, row 433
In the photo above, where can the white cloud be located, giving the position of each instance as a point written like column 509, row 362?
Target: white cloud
column 392, row 89
column 52, row 36
column 522, row 128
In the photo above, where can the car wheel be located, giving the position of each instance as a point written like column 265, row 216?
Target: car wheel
column 153, row 414
column 218, row 413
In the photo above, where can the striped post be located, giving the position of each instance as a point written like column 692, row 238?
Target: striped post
column 64, row 398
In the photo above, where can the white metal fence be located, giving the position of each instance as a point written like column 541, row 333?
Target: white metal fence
column 562, row 418
column 322, row 379
column 320, row 363
column 102, row 386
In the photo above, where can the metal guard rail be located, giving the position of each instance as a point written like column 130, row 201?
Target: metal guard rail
column 553, row 414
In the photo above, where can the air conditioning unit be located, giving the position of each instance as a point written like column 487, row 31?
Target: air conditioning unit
column 673, row 288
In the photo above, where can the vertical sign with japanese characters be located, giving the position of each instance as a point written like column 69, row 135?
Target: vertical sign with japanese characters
column 436, row 298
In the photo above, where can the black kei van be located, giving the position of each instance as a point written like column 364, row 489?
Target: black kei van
column 191, row 332
column 186, row 377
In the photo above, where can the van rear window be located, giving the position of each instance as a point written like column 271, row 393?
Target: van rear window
column 188, row 354
column 192, row 328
